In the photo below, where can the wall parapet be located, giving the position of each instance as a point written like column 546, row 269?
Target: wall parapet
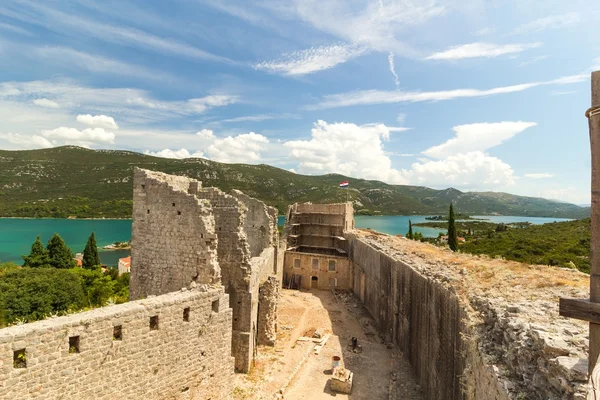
column 168, row 346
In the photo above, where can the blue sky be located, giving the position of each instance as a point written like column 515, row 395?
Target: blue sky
column 484, row 95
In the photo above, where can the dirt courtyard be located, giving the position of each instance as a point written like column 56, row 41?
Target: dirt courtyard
column 380, row 371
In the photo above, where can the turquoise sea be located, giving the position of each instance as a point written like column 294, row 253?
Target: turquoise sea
column 17, row 235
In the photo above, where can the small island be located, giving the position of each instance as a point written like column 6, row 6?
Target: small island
column 118, row 246
column 445, row 217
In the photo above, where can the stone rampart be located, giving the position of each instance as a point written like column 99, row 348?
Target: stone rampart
column 173, row 236
column 185, row 233
column 260, row 223
column 463, row 343
column 174, row 346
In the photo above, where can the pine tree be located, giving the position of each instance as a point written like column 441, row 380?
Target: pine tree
column 91, row 259
column 409, row 235
column 60, row 255
column 452, row 238
column 38, row 257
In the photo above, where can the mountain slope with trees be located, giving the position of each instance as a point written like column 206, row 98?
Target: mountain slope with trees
column 73, row 181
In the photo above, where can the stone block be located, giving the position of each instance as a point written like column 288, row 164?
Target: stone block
column 341, row 380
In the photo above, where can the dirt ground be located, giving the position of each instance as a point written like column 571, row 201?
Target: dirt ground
column 379, row 372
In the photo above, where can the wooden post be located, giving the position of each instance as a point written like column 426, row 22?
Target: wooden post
column 594, row 122
column 589, row 310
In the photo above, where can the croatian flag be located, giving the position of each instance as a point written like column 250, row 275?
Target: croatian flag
column 344, row 184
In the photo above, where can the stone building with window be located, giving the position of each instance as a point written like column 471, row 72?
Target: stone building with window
column 316, row 253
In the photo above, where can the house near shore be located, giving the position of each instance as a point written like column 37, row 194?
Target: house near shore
column 444, row 239
column 124, row 265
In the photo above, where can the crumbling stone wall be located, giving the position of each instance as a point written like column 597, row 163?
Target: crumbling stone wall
column 180, row 359
column 267, row 311
column 173, row 235
column 260, row 223
column 239, row 276
column 183, row 232
column 468, row 346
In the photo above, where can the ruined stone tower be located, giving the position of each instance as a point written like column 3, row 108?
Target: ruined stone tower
column 184, row 234
column 316, row 254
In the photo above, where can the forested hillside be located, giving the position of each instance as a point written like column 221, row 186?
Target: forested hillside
column 73, row 181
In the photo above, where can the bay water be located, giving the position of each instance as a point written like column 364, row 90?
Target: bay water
column 17, row 235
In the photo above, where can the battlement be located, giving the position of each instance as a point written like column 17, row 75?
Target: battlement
column 176, row 345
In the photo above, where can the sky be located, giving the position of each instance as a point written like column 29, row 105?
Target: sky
column 479, row 95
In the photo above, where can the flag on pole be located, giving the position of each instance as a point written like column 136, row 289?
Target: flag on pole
column 344, row 184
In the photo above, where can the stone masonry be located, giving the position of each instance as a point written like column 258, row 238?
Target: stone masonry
column 174, row 346
column 173, row 236
column 179, row 226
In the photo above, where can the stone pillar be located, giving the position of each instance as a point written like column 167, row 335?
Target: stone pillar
column 267, row 311
column 593, row 115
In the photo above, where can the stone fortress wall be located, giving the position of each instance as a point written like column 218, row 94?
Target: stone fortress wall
column 205, row 279
column 174, row 346
column 462, row 344
column 185, row 233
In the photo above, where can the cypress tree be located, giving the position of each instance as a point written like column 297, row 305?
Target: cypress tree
column 60, row 255
column 38, row 257
column 91, row 259
column 410, row 232
column 452, row 238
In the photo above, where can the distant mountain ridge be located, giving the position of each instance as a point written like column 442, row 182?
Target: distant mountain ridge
column 74, row 181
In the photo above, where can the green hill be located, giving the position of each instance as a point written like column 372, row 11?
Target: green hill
column 65, row 181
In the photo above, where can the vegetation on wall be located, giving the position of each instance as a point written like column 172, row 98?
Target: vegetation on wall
column 564, row 244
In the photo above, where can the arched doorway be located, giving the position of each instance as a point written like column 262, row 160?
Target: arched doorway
column 314, row 282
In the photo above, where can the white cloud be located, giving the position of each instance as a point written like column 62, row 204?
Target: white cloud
column 348, row 149
column 261, row 117
column 373, row 25
column 539, row 176
column 398, row 129
column 243, row 148
column 478, row 50
column 549, row 22
column 74, row 136
column 401, row 118
column 480, row 136
column 178, row 154
column 473, row 170
column 358, row 151
column 46, row 103
column 130, row 105
column 311, row 60
column 206, row 134
column 99, row 121
column 393, row 69
column 16, row 141
column 362, row 97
